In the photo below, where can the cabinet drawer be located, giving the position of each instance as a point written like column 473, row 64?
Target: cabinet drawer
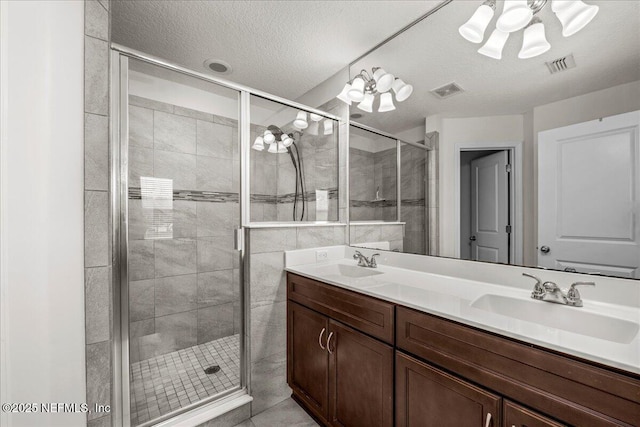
column 515, row 415
column 429, row 397
column 369, row 315
column 570, row 390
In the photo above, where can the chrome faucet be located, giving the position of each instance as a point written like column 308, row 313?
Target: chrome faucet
column 550, row 292
column 363, row 261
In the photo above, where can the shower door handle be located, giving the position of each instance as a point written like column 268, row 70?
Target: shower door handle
column 238, row 239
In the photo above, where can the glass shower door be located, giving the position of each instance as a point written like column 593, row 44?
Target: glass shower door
column 184, row 311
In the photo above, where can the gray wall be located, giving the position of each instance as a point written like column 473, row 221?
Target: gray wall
column 97, row 248
column 184, row 287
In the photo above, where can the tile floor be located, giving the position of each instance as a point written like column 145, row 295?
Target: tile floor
column 171, row 381
column 285, row 414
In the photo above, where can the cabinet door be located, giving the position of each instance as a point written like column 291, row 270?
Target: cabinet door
column 429, row 397
column 360, row 379
column 517, row 416
column 307, row 360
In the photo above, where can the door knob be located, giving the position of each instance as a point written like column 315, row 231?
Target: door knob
column 545, row 249
column 472, row 238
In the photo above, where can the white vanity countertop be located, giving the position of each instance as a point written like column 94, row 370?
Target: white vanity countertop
column 452, row 298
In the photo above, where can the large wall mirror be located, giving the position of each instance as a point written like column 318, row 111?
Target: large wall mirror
column 530, row 162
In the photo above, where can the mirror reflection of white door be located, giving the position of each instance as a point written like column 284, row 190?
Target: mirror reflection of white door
column 589, row 197
column 490, row 208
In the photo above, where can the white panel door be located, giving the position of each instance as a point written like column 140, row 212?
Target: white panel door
column 588, row 196
column 490, row 208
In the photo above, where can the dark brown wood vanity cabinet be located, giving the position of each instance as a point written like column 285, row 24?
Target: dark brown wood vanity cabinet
column 515, row 415
column 551, row 389
column 342, row 347
column 339, row 373
column 427, row 396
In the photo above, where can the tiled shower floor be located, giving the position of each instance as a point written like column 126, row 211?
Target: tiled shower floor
column 172, row 381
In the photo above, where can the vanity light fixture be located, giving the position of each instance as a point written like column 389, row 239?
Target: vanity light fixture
column 574, row 15
column 278, row 140
column 328, row 127
column 301, row 120
column 364, row 87
column 315, row 124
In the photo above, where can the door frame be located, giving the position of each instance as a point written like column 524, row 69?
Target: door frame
column 516, row 197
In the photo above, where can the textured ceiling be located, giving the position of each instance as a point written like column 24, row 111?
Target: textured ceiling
column 280, row 47
column 432, row 54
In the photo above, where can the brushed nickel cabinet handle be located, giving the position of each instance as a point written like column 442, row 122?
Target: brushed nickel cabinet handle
column 488, row 422
column 320, row 339
column 328, row 343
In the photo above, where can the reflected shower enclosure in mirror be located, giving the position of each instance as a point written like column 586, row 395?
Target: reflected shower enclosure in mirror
column 381, row 169
column 294, row 164
column 537, row 160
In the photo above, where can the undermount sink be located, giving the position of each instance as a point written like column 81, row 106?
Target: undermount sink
column 347, row 271
column 557, row 316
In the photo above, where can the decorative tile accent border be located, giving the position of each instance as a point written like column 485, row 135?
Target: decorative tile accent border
column 385, row 203
column 309, row 196
column 413, row 202
column 372, row 203
column 135, row 193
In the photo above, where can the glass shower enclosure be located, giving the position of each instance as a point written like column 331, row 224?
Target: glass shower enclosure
column 178, row 194
column 181, row 192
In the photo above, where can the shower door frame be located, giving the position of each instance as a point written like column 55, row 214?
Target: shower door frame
column 119, row 136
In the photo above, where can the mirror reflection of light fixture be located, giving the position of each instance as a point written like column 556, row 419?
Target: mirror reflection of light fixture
column 364, row 87
column 534, row 42
column 515, row 16
column 301, row 120
column 386, row 103
column 367, row 103
column 574, row 15
column 493, row 47
column 356, row 93
column 343, row 96
column 258, row 145
column 383, row 80
column 328, row 126
column 473, row 30
column 268, row 137
column 402, row 90
column 280, row 140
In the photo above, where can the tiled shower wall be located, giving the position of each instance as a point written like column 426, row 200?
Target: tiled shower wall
column 184, row 286
column 413, row 193
column 273, row 178
column 319, row 157
column 97, row 230
column 371, row 173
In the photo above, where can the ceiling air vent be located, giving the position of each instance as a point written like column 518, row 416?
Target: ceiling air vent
column 447, row 91
column 561, row 64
